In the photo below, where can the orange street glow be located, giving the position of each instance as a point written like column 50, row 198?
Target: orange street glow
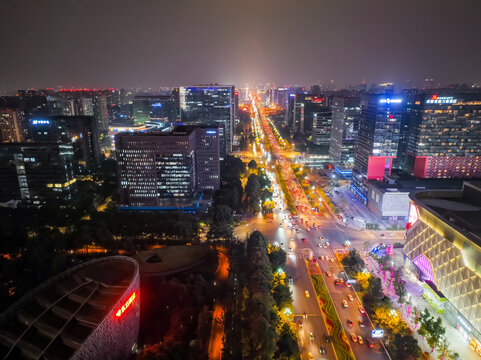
column 125, row 306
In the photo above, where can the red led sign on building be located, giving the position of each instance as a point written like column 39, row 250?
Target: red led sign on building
column 413, row 216
column 125, row 306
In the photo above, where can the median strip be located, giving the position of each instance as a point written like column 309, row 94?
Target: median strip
column 336, row 331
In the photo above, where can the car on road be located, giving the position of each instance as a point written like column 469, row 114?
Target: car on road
column 311, row 336
column 290, row 280
column 321, row 238
column 369, row 342
column 307, row 294
column 338, row 282
column 300, row 324
column 328, row 273
column 322, row 349
column 360, row 323
column 319, row 245
column 361, row 309
column 332, row 259
column 327, row 338
column 304, row 239
column 359, row 338
column 349, row 296
column 349, row 322
column 353, row 337
column 344, row 303
column 310, row 356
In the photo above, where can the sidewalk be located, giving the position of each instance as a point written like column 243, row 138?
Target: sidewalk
column 415, row 290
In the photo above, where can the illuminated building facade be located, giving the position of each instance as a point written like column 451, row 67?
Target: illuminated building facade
column 316, row 104
column 321, row 132
column 12, row 126
column 445, row 136
column 154, row 108
column 210, row 104
column 378, row 139
column 36, row 172
column 80, row 131
column 90, row 311
column 346, row 115
column 443, row 248
column 153, row 166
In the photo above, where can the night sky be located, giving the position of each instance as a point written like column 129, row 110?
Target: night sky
column 97, row 43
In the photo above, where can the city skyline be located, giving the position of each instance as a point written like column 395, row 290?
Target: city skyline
column 117, row 44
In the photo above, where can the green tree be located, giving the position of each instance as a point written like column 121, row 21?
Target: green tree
column 252, row 165
column 221, row 226
column 400, row 290
column 375, row 288
column 287, row 346
column 406, row 346
column 231, row 168
column 253, row 194
column 282, row 296
column 354, row 261
column 277, row 258
column 431, row 328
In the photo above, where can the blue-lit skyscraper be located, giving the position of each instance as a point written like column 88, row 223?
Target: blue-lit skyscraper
column 210, row 104
column 378, row 140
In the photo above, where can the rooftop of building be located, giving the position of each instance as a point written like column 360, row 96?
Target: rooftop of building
column 402, row 182
column 460, row 209
column 153, row 97
column 179, row 130
column 53, row 320
column 170, row 259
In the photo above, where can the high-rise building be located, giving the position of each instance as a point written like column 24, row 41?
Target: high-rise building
column 281, row 96
column 313, row 104
column 378, row 140
column 80, row 131
column 295, row 113
column 157, row 167
column 408, row 101
column 36, row 172
column 321, row 132
column 236, row 104
column 12, row 126
column 88, row 103
column 210, row 104
column 158, row 108
column 346, row 116
column 445, row 136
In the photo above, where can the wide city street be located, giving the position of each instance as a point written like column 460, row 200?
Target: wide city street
column 315, row 235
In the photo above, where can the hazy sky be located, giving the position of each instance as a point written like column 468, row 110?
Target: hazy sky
column 97, row 43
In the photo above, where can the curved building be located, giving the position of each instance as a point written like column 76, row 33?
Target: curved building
column 90, row 311
column 443, row 246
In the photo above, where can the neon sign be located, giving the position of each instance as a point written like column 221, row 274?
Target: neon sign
column 390, row 101
column 40, row 122
column 211, row 132
column 156, row 105
column 441, row 100
column 125, row 306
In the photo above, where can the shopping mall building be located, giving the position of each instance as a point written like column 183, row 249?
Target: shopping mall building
column 443, row 247
column 90, row 311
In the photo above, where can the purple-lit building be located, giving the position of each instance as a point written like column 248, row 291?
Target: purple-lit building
column 443, row 249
